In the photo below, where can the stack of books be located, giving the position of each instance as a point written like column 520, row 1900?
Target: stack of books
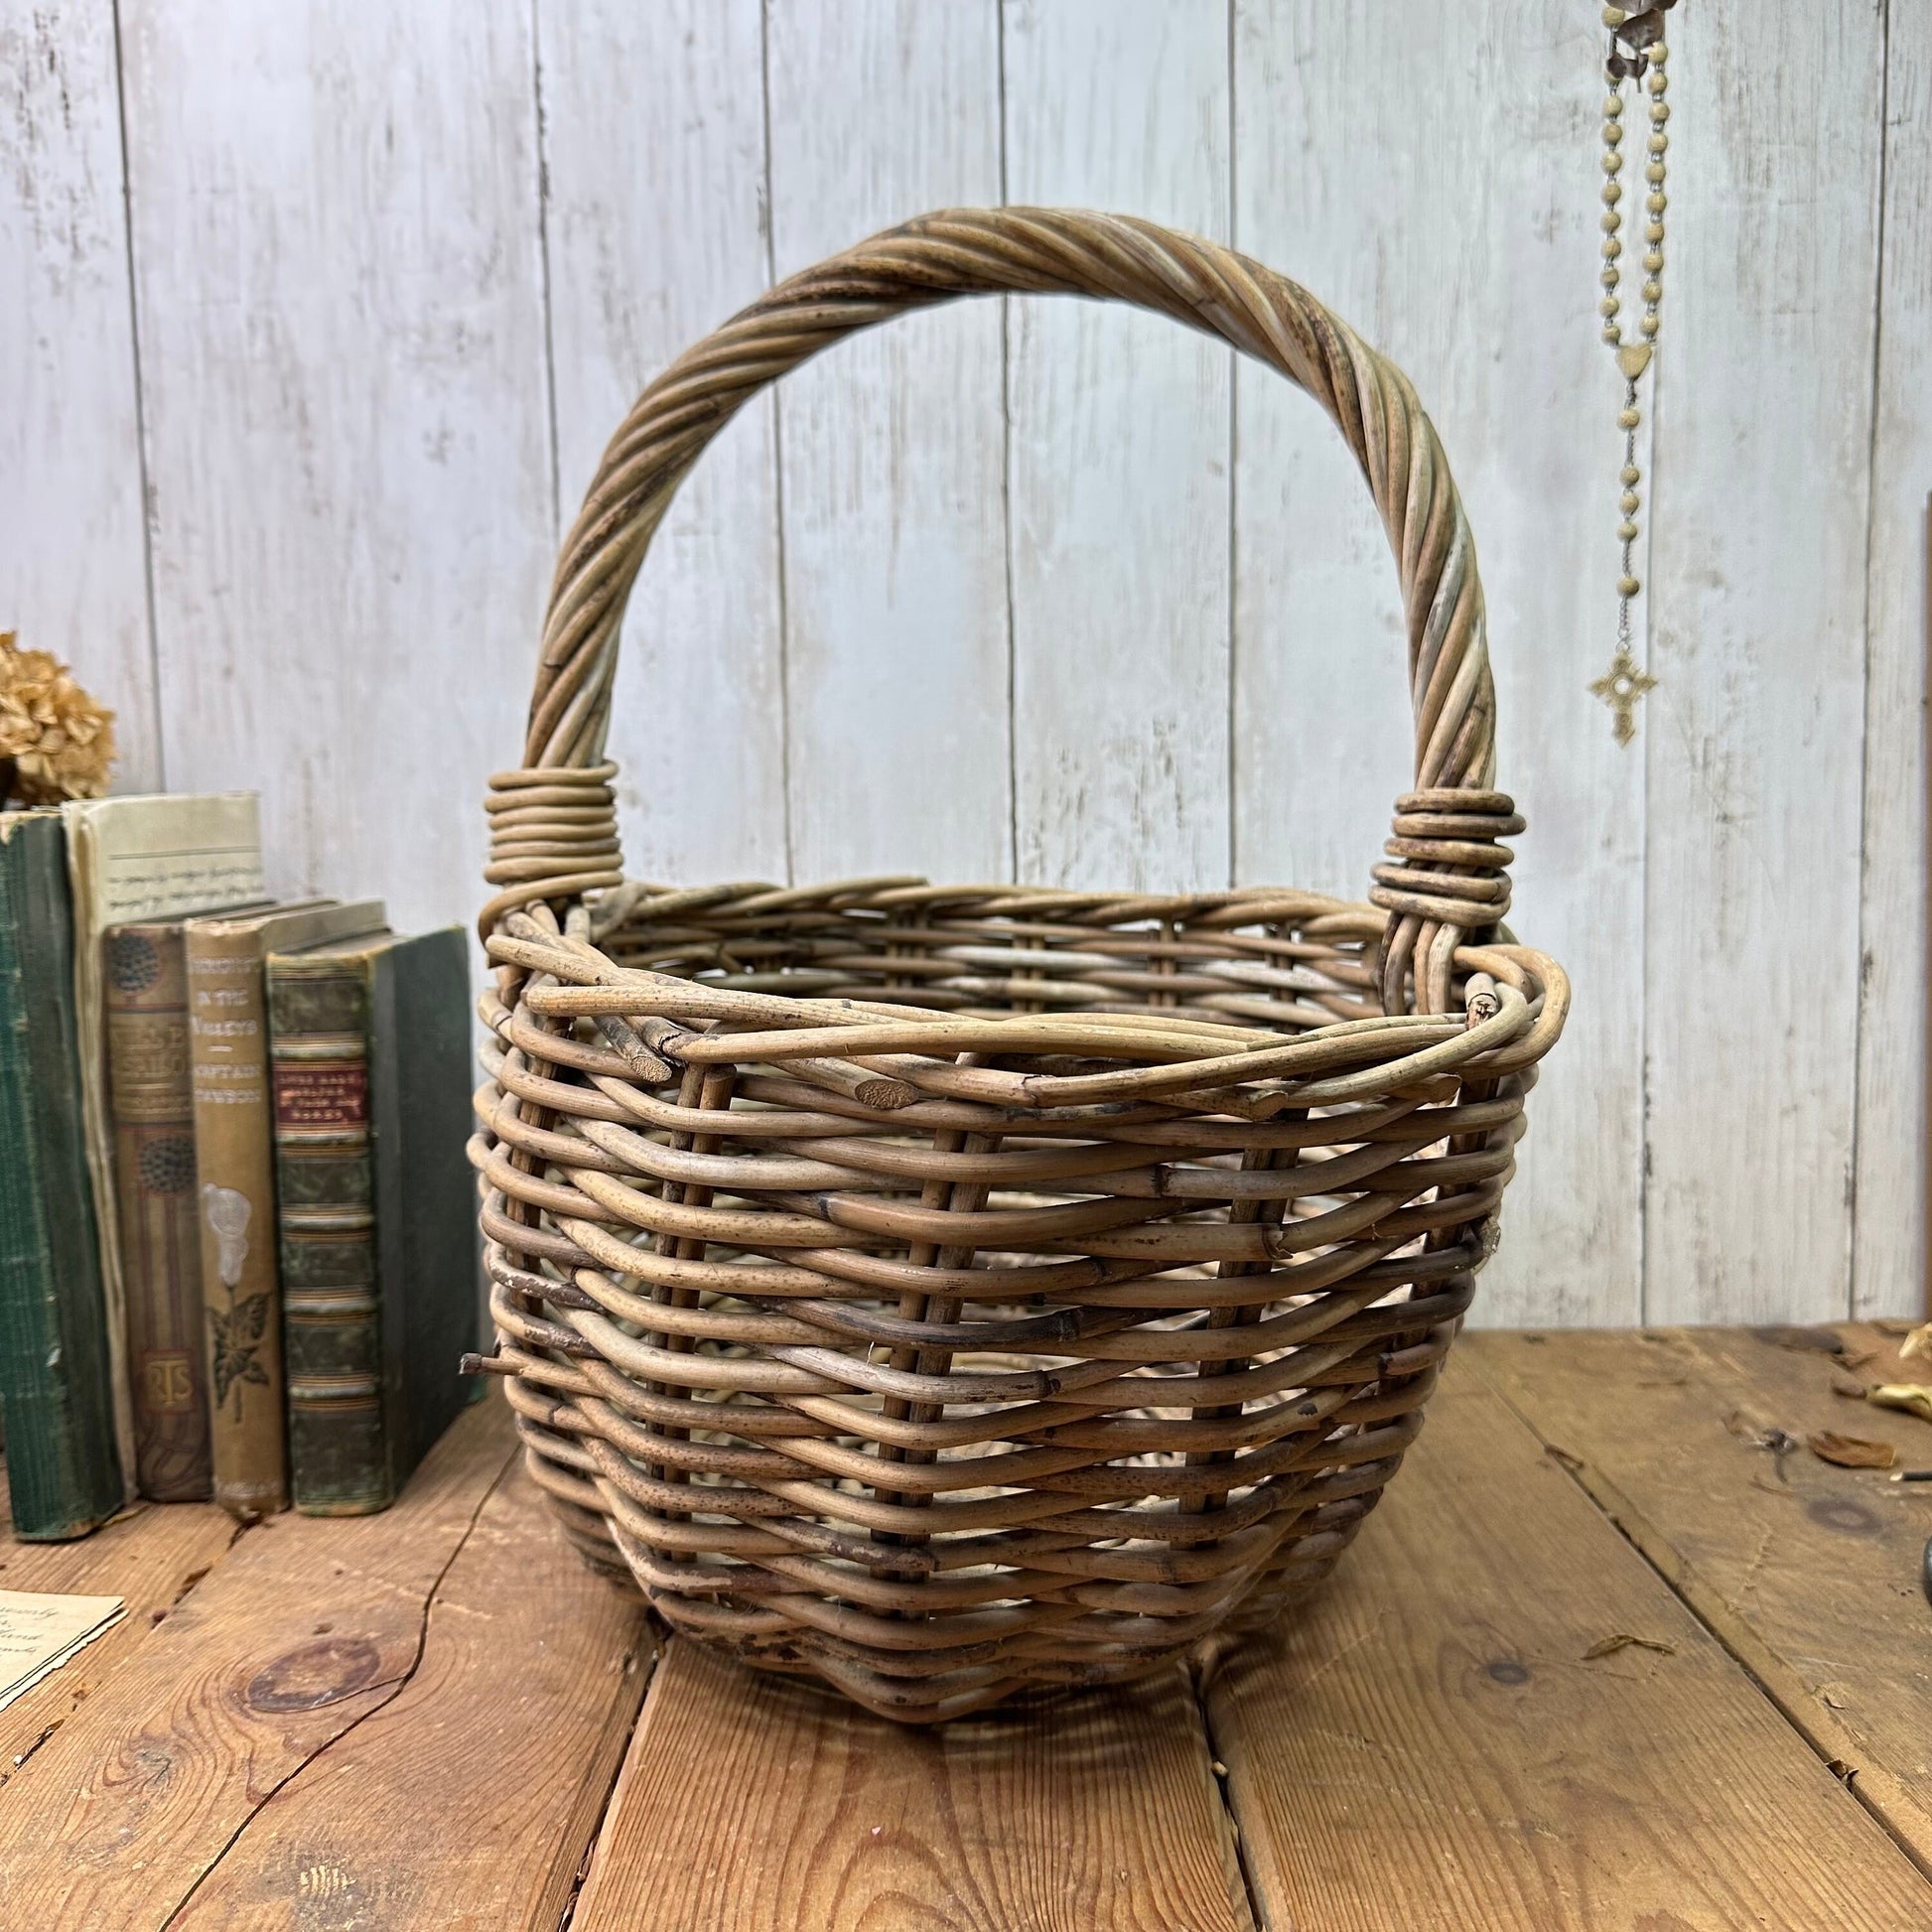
column 237, row 1246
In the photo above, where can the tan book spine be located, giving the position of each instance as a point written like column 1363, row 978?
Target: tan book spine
column 234, row 1133
column 131, row 859
column 146, row 988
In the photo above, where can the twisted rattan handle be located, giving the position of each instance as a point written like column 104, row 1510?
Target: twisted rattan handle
column 555, row 833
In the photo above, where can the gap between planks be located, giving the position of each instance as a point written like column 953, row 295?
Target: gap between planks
column 753, row 1804
column 250, row 1880
column 1893, row 1805
column 1443, row 1738
column 470, row 1799
column 242, row 1728
column 1424, row 1730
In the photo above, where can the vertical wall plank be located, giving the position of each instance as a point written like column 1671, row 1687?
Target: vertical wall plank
column 1328, row 163
column 339, row 277
column 1888, row 1222
column 73, row 568
column 1757, row 605
column 1364, row 172
column 654, row 160
column 1119, row 464
column 334, row 219
column 890, row 453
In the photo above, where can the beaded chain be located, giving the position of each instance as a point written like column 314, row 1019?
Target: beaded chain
column 1636, row 53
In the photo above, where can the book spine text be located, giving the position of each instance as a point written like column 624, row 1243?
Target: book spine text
column 152, row 1111
column 330, row 1314
column 227, row 1031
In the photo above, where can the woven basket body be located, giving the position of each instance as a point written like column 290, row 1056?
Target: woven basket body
column 945, row 1291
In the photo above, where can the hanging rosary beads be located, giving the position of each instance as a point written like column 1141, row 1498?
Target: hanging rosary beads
column 1636, row 53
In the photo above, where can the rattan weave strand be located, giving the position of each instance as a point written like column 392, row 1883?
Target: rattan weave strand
column 948, row 1290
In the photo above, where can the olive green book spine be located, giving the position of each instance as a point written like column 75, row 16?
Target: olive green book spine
column 332, row 1333
column 63, row 1472
column 369, row 1047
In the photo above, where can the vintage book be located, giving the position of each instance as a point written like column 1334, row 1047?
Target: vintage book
column 234, row 1165
column 55, row 1395
column 370, row 1051
column 151, row 1105
column 145, row 857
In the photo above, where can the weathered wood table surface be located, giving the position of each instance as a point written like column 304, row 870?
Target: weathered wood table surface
column 1604, row 1659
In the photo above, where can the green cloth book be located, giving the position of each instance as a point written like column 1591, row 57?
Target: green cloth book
column 55, row 1393
column 370, row 1053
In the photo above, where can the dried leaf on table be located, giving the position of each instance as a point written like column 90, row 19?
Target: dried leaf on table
column 1918, row 1343
column 1915, row 1398
column 1842, row 1384
column 1624, row 1640
column 1851, row 1452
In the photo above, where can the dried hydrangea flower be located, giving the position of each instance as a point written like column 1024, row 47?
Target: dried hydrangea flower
column 58, row 741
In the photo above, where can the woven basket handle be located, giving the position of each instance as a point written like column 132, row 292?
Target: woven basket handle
column 553, row 822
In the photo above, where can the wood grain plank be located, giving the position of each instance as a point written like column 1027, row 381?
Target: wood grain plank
column 1809, row 1573
column 337, row 263
column 73, row 558
column 308, row 1626
column 531, row 1664
column 1117, row 472
column 1430, row 1747
column 1764, row 397
column 750, row 1803
column 1888, row 1215
column 891, row 445
column 653, row 140
column 152, row 1557
column 1470, row 256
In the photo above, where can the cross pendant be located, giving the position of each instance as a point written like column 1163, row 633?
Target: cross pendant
column 1620, row 687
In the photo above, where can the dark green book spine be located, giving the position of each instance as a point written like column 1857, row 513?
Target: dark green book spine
column 427, row 1259
column 332, row 1331
column 63, row 1472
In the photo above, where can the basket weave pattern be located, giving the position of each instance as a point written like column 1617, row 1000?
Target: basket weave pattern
column 948, row 1290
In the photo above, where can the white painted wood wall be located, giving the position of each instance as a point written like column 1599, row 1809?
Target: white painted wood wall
column 314, row 317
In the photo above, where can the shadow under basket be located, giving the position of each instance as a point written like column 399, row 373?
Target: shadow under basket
column 947, row 1292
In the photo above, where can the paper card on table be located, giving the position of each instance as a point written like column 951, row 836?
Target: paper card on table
column 39, row 1632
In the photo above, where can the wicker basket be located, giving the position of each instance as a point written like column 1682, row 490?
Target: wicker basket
column 946, row 1291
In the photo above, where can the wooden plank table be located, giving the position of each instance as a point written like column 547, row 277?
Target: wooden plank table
column 1612, row 1654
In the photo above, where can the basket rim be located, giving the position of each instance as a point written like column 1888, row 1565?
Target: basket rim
column 1515, row 1003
